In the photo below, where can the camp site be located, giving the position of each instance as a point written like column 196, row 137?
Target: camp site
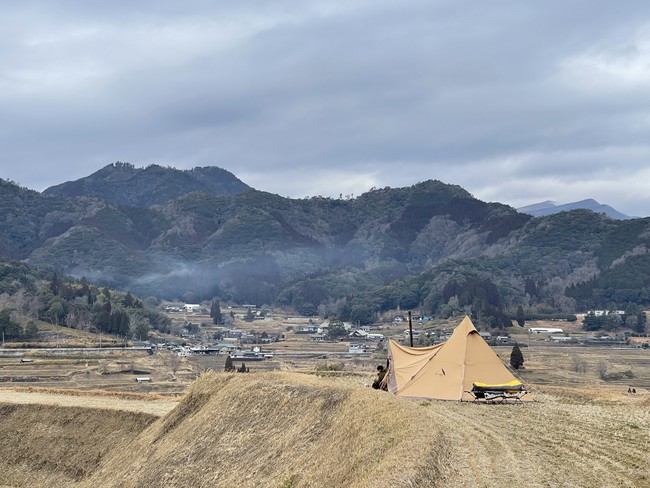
column 453, row 413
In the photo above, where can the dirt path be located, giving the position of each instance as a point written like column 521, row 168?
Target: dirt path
column 157, row 407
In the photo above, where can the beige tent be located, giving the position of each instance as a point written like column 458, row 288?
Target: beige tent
column 445, row 371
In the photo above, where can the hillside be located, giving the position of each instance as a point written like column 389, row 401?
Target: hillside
column 431, row 246
column 50, row 445
column 294, row 430
column 124, row 184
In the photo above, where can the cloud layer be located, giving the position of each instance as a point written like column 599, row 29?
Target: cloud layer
column 515, row 101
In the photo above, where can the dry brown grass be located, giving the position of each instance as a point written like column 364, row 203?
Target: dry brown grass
column 99, row 393
column 307, row 430
column 271, row 429
column 283, row 429
column 98, row 400
column 44, row 445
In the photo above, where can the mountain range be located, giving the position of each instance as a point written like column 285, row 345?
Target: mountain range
column 202, row 233
column 549, row 208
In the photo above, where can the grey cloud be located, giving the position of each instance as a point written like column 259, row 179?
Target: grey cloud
column 484, row 95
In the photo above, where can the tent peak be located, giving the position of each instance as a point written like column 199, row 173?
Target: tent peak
column 466, row 326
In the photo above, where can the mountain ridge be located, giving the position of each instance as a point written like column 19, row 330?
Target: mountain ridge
column 412, row 247
column 124, row 184
column 542, row 209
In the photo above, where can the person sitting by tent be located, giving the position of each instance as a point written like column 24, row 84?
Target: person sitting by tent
column 381, row 373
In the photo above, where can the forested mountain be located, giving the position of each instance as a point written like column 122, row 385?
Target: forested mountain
column 124, row 184
column 29, row 293
column 431, row 247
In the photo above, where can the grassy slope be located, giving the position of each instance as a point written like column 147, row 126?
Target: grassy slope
column 296, row 430
column 44, row 445
column 279, row 429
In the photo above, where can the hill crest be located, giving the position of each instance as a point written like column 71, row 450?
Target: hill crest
column 548, row 207
column 124, row 184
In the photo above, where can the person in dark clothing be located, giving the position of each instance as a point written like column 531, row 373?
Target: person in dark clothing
column 381, row 373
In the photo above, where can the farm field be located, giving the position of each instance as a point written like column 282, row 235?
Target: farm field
column 546, row 363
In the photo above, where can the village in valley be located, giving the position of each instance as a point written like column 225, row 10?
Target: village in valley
column 250, row 339
column 242, row 381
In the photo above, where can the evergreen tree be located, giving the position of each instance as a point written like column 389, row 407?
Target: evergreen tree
column 107, row 293
column 516, row 357
column 31, row 330
column 521, row 318
column 215, row 312
column 640, row 323
column 591, row 322
column 9, row 328
column 85, row 289
column 250, row 315
column 530, row 288
column 55, row 283
column 229, row 365
column 336, row 330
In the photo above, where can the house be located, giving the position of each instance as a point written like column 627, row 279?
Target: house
column 416, row 333
column 307, row 329
column 192, row 307
column 358, row 334
column 358, row 349
column 545, row 330
column 560, row 338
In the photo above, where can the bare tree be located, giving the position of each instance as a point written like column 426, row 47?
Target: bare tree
column 601, row 367
column 174, row 362
column 578, row 364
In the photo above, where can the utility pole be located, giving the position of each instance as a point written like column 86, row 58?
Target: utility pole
column 410, row 328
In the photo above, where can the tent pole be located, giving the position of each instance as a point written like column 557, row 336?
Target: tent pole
column 410, row 328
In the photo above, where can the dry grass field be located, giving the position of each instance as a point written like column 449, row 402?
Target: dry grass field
column 280, row 429
column 44, row 445
column 87, row 422
column 283, row 429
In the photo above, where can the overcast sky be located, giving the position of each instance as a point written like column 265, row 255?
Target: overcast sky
column 517, row 102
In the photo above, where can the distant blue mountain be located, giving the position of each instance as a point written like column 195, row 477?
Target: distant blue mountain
column 548, row 208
